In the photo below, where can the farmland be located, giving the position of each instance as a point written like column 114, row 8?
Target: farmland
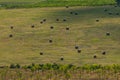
column 90, row 36
column 75, row 40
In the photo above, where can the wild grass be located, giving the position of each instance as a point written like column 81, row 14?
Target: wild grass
column 64, row 72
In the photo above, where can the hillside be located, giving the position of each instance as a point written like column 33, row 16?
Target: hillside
column 46, row 35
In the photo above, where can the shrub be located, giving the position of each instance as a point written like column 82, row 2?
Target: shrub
column 55, row 66
column 18, row 66
column 118, row 2
column 12, row 66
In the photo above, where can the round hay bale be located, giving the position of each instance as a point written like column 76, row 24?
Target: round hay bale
column 117, row 13
column 76, row 47
column 51, row 27
column 71, row 12
column 107, row 34
column 61, row 58
column 57, row 19
column 44, row 20
column 105, row 10
column 110, row 13
column 10, row 35
column 76, row 13
column 41, row 22
column 67, row 6
column 32, row 26
column 97, row 20
column 94, row 56
column 104, row 53
column 115, row 6
column 79, row 51
column 67, row 28
column 11, row 27
column 64, row 20
column 41, row 53
column 50, row 41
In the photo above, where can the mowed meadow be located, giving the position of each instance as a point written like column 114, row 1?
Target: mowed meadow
column 64, row 35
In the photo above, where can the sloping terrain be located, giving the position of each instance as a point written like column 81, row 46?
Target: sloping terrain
column 48, row 35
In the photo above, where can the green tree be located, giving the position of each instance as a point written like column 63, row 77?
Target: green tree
column 118, row 2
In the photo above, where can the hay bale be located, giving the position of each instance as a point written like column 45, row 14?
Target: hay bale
column 64, row 20
column 105, row 10
column 67, row 28
column 67, row 6
column 41, row 22
column 107, row 34
column 97, row 20
column 76, row 13
column 76, row 47
column 117, row 13
column 61, row 58
column 104, row 53
column 11, row 27
column 44, row 20
column 94, row 56
column 41, row 53
column 10, row 35
column 51, row 27
column 50, row 41
column 71, row 12
column 32, row 26
column 110, row 13
column 115, row 6
column 57, row 19
column 79, row 51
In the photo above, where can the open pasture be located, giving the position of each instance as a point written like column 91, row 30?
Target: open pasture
column 72, row 35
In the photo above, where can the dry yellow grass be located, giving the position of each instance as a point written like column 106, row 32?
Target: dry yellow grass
column 26, row 44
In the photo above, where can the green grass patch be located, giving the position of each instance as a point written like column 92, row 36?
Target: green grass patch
column 53, row 3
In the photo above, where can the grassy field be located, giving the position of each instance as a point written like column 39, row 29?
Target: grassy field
column 52, row 3
column 84, row 31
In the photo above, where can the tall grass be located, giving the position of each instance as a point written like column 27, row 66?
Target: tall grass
column 62, row 72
